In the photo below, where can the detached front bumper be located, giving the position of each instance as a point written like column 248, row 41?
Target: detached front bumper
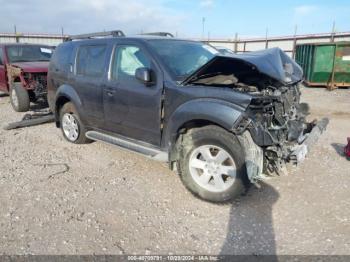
column 254, row 154
column 307, row 141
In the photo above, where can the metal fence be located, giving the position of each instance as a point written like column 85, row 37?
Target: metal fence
column 286, row 43
column 45, row 39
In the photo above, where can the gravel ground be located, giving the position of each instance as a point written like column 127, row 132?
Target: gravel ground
column 59, row 198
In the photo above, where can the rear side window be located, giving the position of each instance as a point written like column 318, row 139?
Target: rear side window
column 91, row 60
column 1, row 56
column 62, row 57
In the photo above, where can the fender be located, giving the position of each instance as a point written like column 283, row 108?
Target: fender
column 68, row 93
column 222, row 113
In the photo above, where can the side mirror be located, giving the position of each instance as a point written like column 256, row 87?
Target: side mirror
column 144, row 75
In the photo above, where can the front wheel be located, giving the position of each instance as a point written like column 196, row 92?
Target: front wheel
column 19, row 98
column 212, row 164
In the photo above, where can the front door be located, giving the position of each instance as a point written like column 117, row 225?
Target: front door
column 3, row 84
column 132, row 108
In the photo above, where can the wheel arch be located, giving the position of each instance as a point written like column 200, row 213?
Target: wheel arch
column 65, row 94
column 196, row 114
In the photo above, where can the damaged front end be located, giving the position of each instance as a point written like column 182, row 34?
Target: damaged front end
column 273, row 129
column 277, row 124
column 34, row 82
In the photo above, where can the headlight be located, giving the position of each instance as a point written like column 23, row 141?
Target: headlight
column 288, row 69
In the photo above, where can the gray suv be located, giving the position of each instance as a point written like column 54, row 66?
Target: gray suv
column 222, row 121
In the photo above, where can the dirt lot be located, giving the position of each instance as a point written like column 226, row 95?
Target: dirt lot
column 115, row 202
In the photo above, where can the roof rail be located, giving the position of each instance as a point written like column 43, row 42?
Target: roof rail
column 115, row 33
column 166, row 34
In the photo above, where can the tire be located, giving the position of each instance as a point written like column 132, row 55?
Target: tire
column 225, row 163
column 73, row 129
column 19, row 98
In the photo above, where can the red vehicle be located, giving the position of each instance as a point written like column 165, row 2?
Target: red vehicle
column 347, row 149
column 23, row 73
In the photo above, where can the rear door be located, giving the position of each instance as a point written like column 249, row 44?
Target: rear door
column 131, row 108
column 90, row 69
column 3, row 84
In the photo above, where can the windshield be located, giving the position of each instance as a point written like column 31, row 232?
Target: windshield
column 183, row 57
column 28, row 53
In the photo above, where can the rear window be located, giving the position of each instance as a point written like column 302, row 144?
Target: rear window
column 91, row 60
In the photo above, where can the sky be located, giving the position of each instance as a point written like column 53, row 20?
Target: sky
column 184, row 18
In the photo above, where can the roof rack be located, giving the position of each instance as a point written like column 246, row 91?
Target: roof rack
column 166, row 34
column 115, row 33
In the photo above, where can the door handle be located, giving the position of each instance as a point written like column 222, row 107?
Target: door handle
column 110, row 92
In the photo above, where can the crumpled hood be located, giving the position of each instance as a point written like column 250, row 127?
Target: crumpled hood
column 33, row 67
column 272, row 62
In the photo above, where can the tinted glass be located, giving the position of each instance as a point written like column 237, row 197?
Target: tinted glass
column 126, row 60
column 1, row 57
column 91, row 60
column 28, row 53
column 183, row 57
column 62, row 56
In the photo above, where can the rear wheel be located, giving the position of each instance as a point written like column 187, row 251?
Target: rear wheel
column 212, row 164
column 19, row 98
column 72, row 128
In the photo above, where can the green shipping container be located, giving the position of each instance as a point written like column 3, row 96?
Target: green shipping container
column 325, row 64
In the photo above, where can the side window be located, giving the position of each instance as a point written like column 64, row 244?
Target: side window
column 61, row 57
column 1, row 56
column 126, row 60
column 91, row 60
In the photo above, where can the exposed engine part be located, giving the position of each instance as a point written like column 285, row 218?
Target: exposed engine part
column 276, row 122
column 35, row 82
column 40, row 89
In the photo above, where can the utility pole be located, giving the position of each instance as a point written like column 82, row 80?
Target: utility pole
column 295, row 41
column 16, row 36
column 235, row 49
column 62, row 34
column 266, row 41
column 333, row 32
column 203, row 22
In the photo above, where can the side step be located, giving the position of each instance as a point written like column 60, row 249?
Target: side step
column 129, row 145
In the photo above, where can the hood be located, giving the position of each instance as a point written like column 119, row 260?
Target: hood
column 272, row 63
column 33, row 67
